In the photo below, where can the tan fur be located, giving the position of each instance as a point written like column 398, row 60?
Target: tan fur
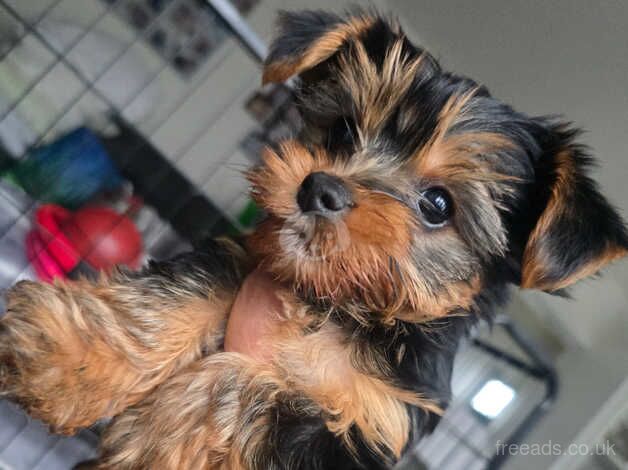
column 319, row 51
column 536, row 258
column 224, row 422
column 215, row 426
column 322, row 365
column 455, row 156
column 422, row 305
column 146, row 350
column 82, row 351
column 534, row 273
column 376, row 94
column 354, row 257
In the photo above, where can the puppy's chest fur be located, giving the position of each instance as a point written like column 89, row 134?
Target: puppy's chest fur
column 376, row 380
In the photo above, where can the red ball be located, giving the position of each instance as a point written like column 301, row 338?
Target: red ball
column 104, row 238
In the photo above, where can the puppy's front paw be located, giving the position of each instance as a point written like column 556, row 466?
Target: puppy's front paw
column 35, row 353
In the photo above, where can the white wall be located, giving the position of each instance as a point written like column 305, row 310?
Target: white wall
column 198, row 123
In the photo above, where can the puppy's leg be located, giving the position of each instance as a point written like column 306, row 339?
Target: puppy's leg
column 309, row 408
column 74, row 352
column 193, row 419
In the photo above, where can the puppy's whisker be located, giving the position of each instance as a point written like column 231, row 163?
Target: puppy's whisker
column 396, row 219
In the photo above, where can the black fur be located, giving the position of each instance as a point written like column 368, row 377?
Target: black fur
column 418, row 356
column 430, row 348
column 300, row 30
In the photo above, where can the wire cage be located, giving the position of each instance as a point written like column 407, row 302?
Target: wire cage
column 80, row 78
column 70, row 85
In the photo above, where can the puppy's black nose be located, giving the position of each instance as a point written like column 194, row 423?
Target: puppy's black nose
column 323, row 193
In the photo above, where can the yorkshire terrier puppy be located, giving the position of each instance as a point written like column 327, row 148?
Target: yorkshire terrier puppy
column 395, row 220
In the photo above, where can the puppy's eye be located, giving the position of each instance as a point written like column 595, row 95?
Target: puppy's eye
column 341, row 133
column 436, row 206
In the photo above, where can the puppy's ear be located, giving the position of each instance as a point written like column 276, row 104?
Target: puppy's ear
column 578, row 231
column 308, row 38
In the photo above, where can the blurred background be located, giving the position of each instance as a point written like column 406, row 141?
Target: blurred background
column 125, row 126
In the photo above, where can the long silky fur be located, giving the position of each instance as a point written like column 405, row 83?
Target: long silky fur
column 374, row 300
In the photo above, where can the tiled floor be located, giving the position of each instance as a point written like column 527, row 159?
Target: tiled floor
column 25, row 444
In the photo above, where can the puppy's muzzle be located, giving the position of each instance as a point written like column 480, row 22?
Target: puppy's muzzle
column 323, row 194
